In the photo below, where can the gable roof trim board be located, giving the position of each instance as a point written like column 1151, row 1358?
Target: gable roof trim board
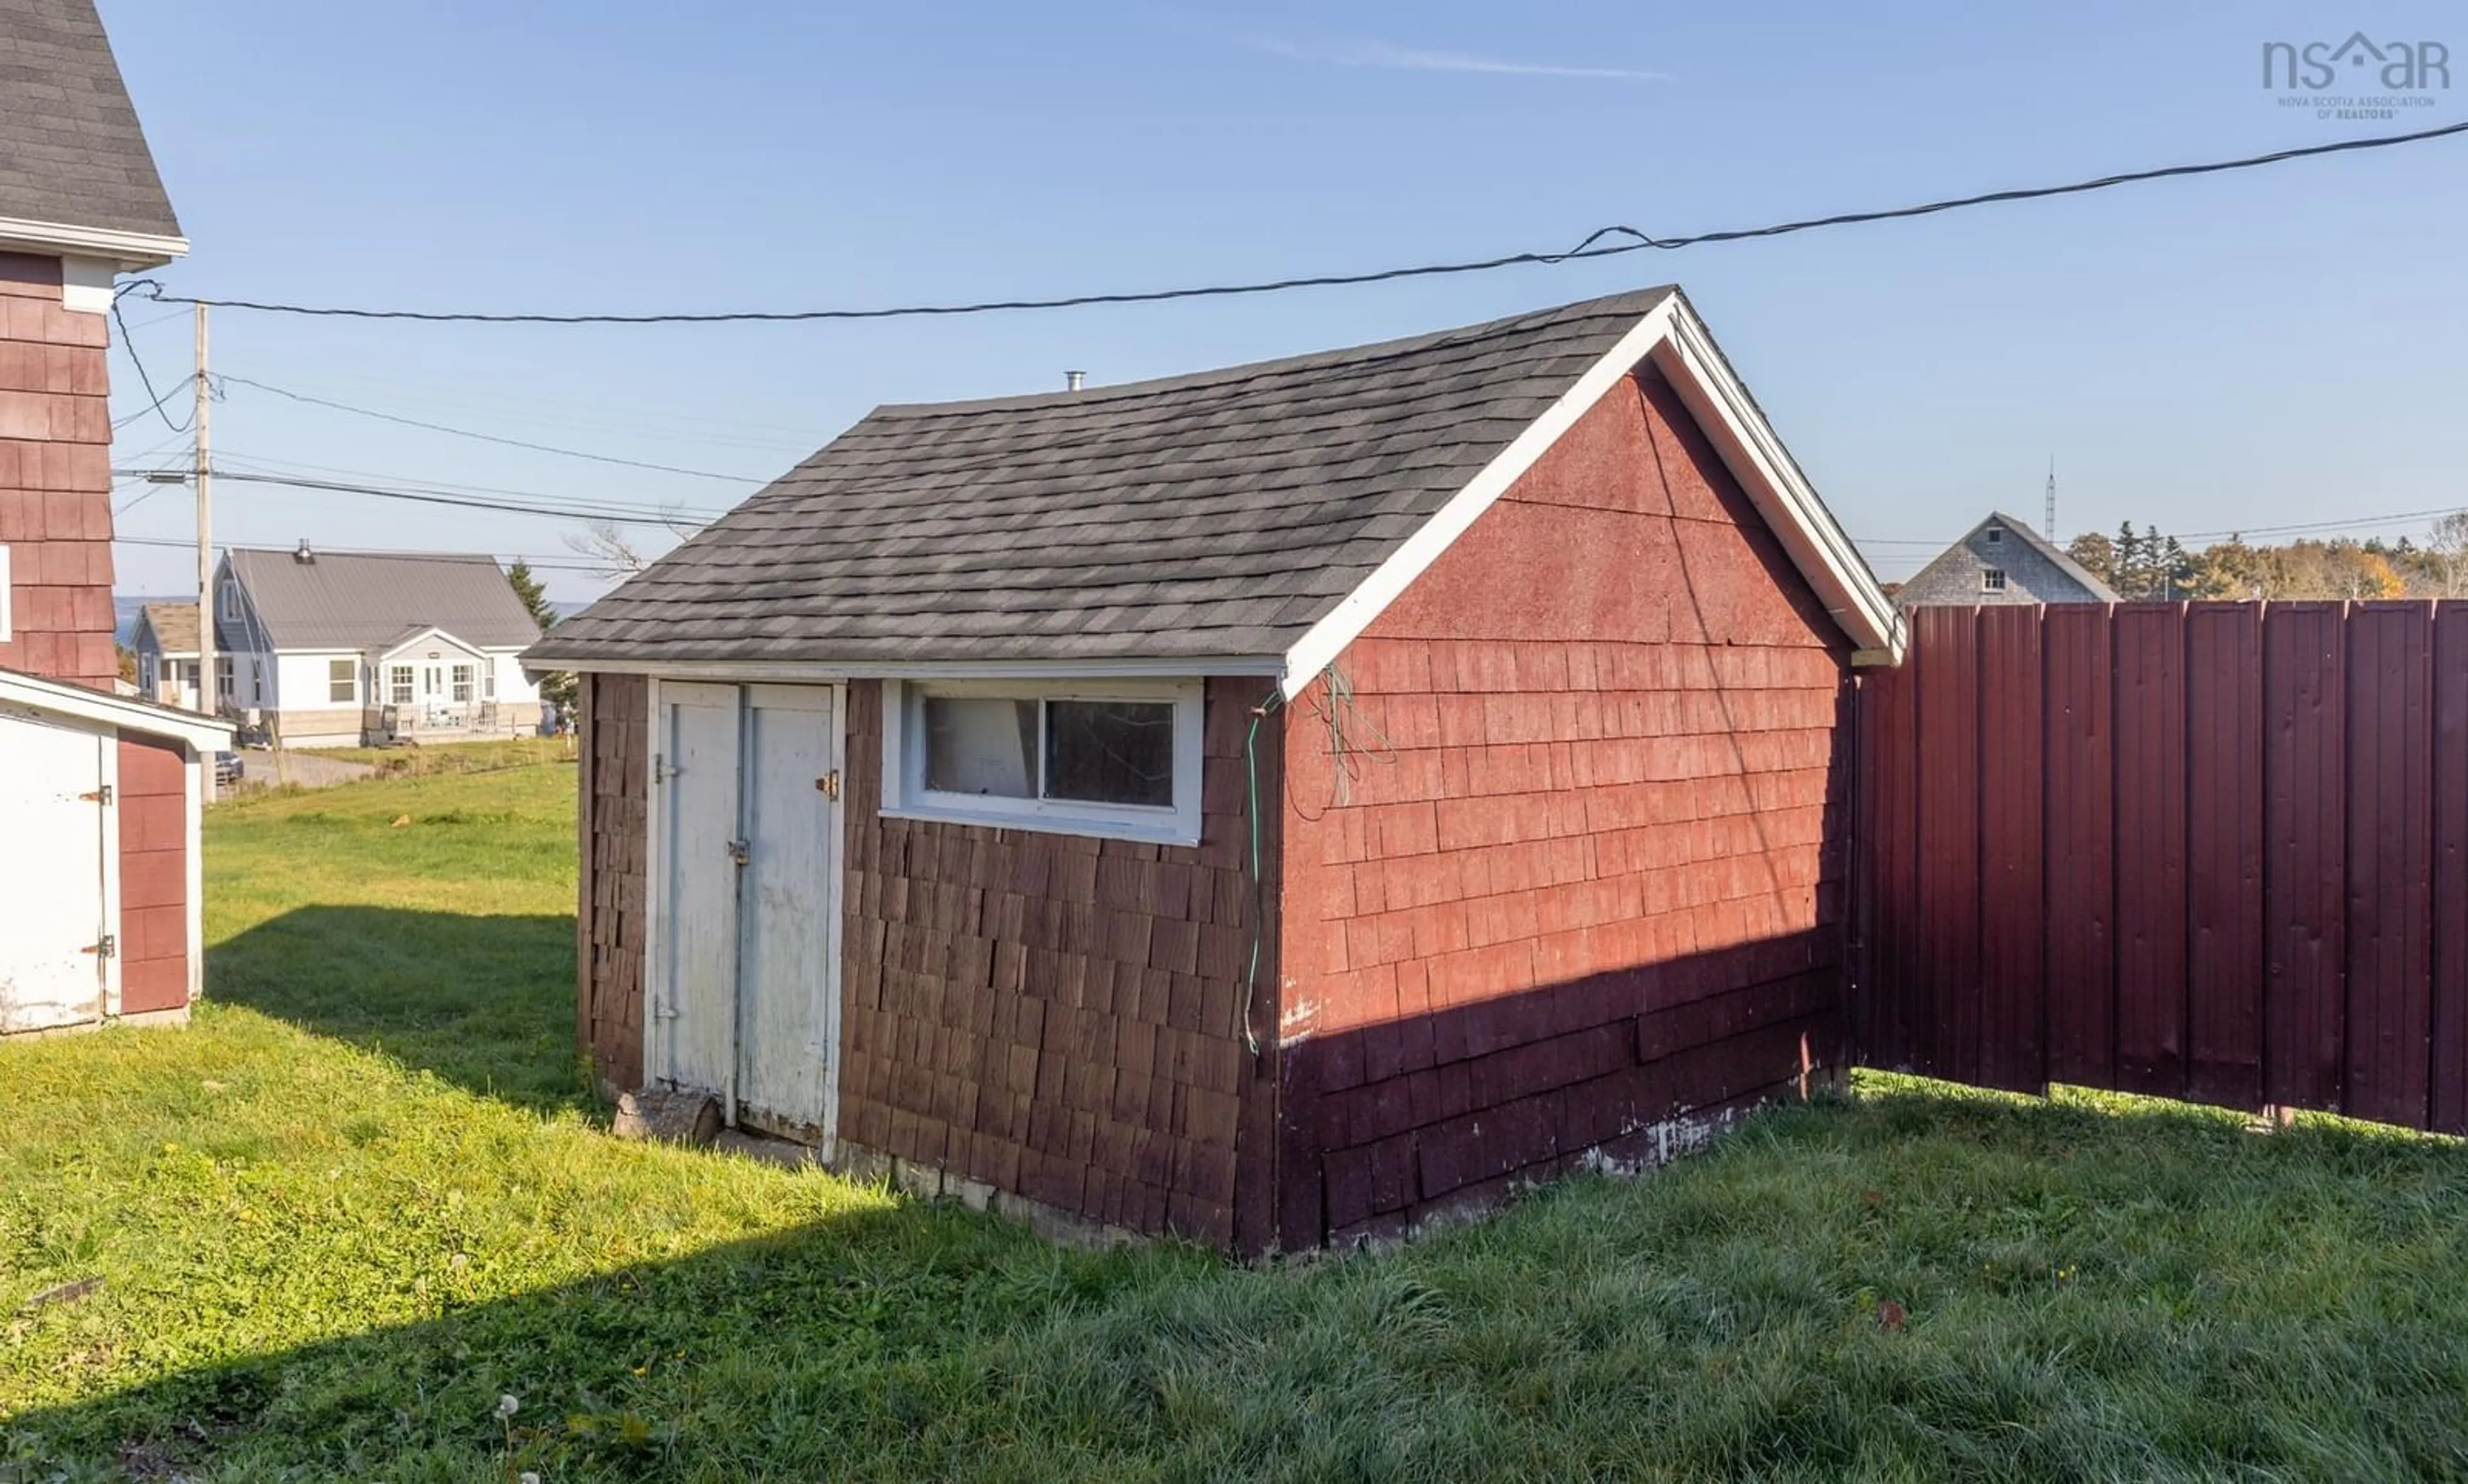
column 1671, row 336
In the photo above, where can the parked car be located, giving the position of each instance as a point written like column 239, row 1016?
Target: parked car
column 227, row 770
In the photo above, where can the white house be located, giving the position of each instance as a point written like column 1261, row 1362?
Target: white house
column 338, row 650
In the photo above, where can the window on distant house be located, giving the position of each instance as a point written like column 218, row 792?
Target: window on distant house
column 166, row 671
column 1992, row 579
column 256, row 684
column 489, row 682
column 231, row 602
column 342, row 681
column 462, row 684
column 398, row 685
column 1097, row 758
column 1995, row 535
column 224, row 677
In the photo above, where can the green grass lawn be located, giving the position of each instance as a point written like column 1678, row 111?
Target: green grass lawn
column 366, row 1196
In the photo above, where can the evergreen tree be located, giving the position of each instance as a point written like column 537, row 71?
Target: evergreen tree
column 559, row 687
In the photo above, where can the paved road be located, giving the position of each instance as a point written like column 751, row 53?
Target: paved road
column 307, row 770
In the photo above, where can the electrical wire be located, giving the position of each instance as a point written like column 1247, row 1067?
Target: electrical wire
column 486, row 438
column 1595, row 244
column 154, row 406
column 614, row 516
column 536, row 563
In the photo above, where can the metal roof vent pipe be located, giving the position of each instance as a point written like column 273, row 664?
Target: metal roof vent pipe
column 1073, row 380
column 303, row 556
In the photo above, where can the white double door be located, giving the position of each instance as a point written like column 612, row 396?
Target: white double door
column 745, row 996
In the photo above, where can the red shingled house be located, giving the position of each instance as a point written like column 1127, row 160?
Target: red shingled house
column 1273, row 806
column 99, row 795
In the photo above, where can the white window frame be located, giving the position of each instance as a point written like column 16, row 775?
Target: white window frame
column 6, row 631
column 231, row 602
column 402, row 685
column 351, row 682
column 462, row 683
column 906, row 796
column 1996, row 535
column 1992, row 579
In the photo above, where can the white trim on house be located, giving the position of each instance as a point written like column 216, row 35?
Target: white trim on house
column 115, row 927
column 127, row 712
column 195, row 805
column 88, row 284
column 906, row 796
column 1671, row 336
column 128, row 250
column 4, row 592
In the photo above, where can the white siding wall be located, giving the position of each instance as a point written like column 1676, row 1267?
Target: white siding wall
column 300, row 681
column 512, row 689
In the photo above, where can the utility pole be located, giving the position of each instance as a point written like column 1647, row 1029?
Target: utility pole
column 208, row 696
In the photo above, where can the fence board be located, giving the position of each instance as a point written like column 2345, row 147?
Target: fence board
column 2012, row 1012
column 2224, row 851
column 1947, row 1039
column 2077, row 642
column 2390, row 846
column 2216, row 851
column 2304, row 866
column 2150, row 842
column 2449, row 991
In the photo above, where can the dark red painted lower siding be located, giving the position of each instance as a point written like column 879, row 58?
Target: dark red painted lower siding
column 153, row 805
column 1565, row 848
column 1055, row 1015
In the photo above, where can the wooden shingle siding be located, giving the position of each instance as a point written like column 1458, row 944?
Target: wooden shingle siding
column 1564, row 849
column 153, row 807
column 615, row 817
column 54, row 478
column 1061, row 1016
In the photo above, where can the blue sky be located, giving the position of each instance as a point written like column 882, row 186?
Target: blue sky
column 2273, row 347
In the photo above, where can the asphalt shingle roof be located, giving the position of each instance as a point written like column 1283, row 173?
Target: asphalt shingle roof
column 345, row 601
column 71, row 151
column 1214, row 515
column 175, row 625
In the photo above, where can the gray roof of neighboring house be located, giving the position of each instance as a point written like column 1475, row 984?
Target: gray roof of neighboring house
column 2093, row 590
column 340, row 601
column 1214, row 515
column 71, row 151
column 175, row 625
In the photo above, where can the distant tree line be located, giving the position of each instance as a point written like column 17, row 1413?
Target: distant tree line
column 2150, row 565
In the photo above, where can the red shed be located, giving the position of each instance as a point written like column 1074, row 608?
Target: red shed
column 1270, row 805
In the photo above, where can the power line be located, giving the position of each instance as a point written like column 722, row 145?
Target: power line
column 536, row 563
column 258, row 465
column 1594, row 245
column 611, row 515
column 486, row 438
column 154, row 406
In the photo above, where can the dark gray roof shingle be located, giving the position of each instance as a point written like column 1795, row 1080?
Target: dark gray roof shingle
column 346, row 602
column 71, row 151
column 1215, row 515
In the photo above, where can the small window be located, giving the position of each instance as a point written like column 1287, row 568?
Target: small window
column 1117, row 758
column 224, row 677
column 1992, row 579
column 398, row 685
column 167, row 672
column 1995, row 535
column 231, row 602
column 256, row 684
column 462, row 684
column 489, row 682
column 342, row 681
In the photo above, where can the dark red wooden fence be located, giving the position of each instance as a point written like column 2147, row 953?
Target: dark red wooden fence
column 2209, row 851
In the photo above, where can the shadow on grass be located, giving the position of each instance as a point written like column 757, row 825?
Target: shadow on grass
column 485, row 1002
column 2087, row 1295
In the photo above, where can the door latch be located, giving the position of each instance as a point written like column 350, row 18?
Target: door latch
column 737, row 849
column 108, row 948
column 102, row 795
column 829, row 785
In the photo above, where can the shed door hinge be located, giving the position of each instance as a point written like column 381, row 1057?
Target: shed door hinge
column 659, row 767
column 108, row 948
column 740, row 850
column 829, row 785
column 102, row 795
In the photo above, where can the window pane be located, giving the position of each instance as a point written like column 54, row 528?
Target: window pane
column 975, row 744
column 341, row 676
column 1110, row 752
column 462, row 682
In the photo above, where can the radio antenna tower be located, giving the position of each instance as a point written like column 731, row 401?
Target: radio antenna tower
column 2049, row 516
